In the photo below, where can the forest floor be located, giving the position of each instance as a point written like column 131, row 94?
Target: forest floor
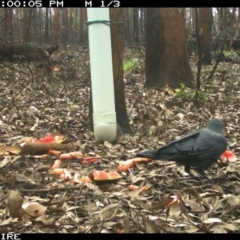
column 38, row 99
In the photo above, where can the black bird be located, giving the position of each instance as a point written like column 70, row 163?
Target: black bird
column 200, row 149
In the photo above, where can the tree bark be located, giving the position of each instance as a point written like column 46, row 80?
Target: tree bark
column 167, row 60
column 205, row 38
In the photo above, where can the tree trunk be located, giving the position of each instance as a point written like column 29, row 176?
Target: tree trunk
column 71, row 12
column 82, row 20
column 27, row 19
column 205, row 38
column 130, row 15
column 167, row 60
column 116, row 15
column 65, row 30
column 46, row 26
column 193, row 20
column 238, row 17
column 56, row 30
column 135, row 25
column 222, row 19
column 126, row 25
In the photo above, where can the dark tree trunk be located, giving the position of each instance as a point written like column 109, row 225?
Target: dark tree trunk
column 167, row 60
column 135, row 25
column 116, row 15
column 46, row 27
column 205, row 39
column 82, row 20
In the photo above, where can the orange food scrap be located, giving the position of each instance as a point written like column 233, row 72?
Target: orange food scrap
column 58, row 171
column 100, row 175
column 90, row 160
column 124, row 166
column 57, row 164
column 71, row 155
column 134, row 187
column 138, row 160
column 104, row 176
column 78, row 179
column 54, row 152
column 85, row 179
column 113, row 175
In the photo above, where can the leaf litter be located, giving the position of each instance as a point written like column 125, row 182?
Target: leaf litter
column 151, row 196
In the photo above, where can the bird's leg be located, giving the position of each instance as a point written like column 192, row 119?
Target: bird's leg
column 187, row 169
column 204, row 175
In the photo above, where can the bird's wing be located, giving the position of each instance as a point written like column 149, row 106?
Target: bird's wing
column 192, row 136
column 204, row 144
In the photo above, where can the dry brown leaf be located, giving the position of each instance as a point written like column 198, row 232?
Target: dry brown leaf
column 33, row 128
column 34, row 209
column 175, row 210
column 10, row 149
column 195, row 207
column 232, row 167
column 194, row 193
column 169, row 90
column 152, row 130
column 149, row 226
column 15, row 201
column 109, row 211
column 163, row 203
column 45, row 220
column 230, row 226
column 232, row 200
column 82, row 229
column 135, row 193
column 212, row 220
column 126, row 223
column 8, row 160
column 8, row 221
column 191, row 229
column 218, row 228
column 20, row 178
column 107, row 144
column 217, row 188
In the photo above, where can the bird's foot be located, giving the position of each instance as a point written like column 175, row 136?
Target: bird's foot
column 192, row 175
column 205, row 176
column 202, row 173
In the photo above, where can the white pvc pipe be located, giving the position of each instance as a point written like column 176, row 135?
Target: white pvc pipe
column 104, row 114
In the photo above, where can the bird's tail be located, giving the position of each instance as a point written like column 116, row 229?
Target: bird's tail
column 164, row 153
column 148, row 154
